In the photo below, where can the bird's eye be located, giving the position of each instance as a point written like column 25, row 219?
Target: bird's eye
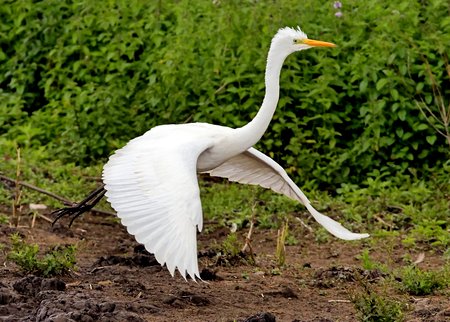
column 297, row 41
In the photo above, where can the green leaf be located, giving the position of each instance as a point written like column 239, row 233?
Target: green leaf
column 431, row 139
column 363, row 85
column 381, row 83
column 422, row 127
column 394, row 94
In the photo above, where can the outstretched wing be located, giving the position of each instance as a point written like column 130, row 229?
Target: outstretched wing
column 152, row 184
column 254, row 167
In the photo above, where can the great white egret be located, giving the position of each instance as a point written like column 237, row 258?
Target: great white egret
column 152, row 181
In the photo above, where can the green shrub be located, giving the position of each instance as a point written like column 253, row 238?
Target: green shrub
column 231, row 246
column 416, row 281
column 56, row 262
column 374, row 307
column 81, row 78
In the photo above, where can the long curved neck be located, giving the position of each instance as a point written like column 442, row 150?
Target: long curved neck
column 249, row 134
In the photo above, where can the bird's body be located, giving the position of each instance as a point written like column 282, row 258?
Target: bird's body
column 152, row 181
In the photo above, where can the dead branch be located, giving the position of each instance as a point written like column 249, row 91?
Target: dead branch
column 65, row 201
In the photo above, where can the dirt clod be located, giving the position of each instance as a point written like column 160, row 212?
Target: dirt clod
column 208, row 274
column 261, row 317
column 285, row 292
column 6, row 296
column 32, row 285
column 195, row 299
column 330, row 277
column 139, row 260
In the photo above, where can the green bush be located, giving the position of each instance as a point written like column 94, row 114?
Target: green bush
column 56, row 262
column 416, row 281
column 374, row 307
column 80, row 78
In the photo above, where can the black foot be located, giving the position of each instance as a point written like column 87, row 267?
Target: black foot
column 80, row 208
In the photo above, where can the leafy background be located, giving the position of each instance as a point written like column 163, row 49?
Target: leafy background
column 78, row 79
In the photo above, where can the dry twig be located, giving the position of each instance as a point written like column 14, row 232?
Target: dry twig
column 65, row 201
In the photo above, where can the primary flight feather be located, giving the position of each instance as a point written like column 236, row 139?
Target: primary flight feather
column 152, row 181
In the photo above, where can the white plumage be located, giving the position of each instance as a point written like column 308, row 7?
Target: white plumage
column 152, row 181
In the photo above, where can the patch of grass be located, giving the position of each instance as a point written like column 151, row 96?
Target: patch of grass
column 4, row 219
column 368, row 263
column 416, row 281
column 56, row 262
column 374, row 307
column 291, row 240
column 231, row 246
column 233, row 203
column 447, row 254
column 321, row 235
column 418, row 209
column 229, row 252
column 68, row 180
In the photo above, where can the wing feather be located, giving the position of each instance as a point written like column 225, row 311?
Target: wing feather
column 254, row 167
column 152, row 184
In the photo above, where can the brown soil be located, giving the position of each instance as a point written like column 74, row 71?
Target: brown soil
column 116, row 280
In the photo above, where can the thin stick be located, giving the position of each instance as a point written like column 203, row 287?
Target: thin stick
column 303, row 224
column 45, row 218
column 30, row 186
column 33, row 220
column 17, row 193
column 383, row 222
column 249, row 236
column 54, row 196
column 248, row 239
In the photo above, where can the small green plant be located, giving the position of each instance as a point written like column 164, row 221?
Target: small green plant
column 366, row 261
column 231, row 245
column 229, row 252
column 447, row 254
column 56, row 262
column 291, row 240
column 4, row 219
column 416, row 281
column 374, row 307
column 321, row 235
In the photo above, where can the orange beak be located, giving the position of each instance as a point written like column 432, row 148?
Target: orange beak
column 318, row 43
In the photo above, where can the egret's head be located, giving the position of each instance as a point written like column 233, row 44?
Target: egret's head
column 290, row 40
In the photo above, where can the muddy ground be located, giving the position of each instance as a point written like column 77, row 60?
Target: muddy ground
column 116, row 280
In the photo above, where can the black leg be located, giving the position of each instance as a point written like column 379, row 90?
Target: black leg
column 83, row 206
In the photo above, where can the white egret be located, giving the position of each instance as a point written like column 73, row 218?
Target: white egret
column 152, row 181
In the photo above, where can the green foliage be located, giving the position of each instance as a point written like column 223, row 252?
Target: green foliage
column 81, row 78
column 321, row 235
column 56, row 262
column 416, row 281
column 366, row 260
column 231, row 247
column 62, row 178
column 374, row 307
column 231, row 203
column 4, row 219
column 24, row 255
column 419, row 207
